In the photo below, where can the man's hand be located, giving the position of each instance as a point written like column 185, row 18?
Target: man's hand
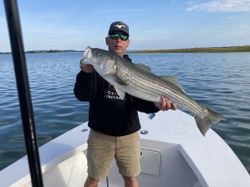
column 165, row 104
column 85, row 67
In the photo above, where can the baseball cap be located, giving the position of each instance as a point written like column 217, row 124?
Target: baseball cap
column 118, row 26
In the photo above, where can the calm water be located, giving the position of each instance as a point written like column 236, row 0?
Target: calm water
column 218, row 80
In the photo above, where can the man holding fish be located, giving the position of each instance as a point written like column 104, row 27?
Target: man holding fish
column 113, row 118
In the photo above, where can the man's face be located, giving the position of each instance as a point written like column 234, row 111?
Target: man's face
column 116, row 44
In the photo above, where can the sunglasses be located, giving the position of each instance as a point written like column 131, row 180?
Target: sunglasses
column 121, row 36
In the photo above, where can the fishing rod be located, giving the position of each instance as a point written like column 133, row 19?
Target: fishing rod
column 22, row 82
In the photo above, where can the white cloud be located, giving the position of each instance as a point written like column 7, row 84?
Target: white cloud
column 221, row 6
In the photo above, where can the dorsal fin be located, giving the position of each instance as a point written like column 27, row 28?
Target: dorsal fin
column 143, row 67
column 174, row 81
column 171, row 79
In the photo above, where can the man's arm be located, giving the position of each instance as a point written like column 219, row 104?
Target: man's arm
column 84, row 88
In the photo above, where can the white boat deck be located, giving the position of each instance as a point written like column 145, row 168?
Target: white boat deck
column 211, row 159
column 174, row 153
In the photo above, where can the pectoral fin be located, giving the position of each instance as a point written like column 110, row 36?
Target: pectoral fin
column 120, row 93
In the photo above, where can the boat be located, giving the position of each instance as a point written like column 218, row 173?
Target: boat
column 173, row 154
column 173, row 151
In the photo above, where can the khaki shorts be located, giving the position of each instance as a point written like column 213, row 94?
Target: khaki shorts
column 103, row 148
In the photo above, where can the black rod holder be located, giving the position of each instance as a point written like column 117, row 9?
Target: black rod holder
column 22, row 82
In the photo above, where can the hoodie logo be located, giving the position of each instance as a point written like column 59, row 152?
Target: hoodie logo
column 110, row 93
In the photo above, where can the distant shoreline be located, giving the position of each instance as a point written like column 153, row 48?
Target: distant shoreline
column 198, row 50
column 46, row 51
column 230, row 49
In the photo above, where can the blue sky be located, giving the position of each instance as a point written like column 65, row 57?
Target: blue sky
column 162, row 24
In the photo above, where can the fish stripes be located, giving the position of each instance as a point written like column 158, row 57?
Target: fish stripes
column 128, row 78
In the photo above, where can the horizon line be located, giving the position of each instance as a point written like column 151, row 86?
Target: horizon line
column 131, row 50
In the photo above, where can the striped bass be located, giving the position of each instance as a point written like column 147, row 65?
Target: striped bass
column 128, row 78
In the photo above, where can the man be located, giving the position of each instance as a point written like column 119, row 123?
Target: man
column 113, row 121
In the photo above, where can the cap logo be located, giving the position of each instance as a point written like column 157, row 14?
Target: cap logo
column 120, row 26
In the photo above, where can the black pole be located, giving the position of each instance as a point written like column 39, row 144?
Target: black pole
column 16, row 41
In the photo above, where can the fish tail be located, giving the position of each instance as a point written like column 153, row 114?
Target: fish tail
column 207, row 120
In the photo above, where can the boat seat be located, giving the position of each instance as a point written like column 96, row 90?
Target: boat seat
column 71, row 172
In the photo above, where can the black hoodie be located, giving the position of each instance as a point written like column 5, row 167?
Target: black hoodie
column 108, row 113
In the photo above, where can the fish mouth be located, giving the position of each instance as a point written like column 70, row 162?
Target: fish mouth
column 87, row 53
